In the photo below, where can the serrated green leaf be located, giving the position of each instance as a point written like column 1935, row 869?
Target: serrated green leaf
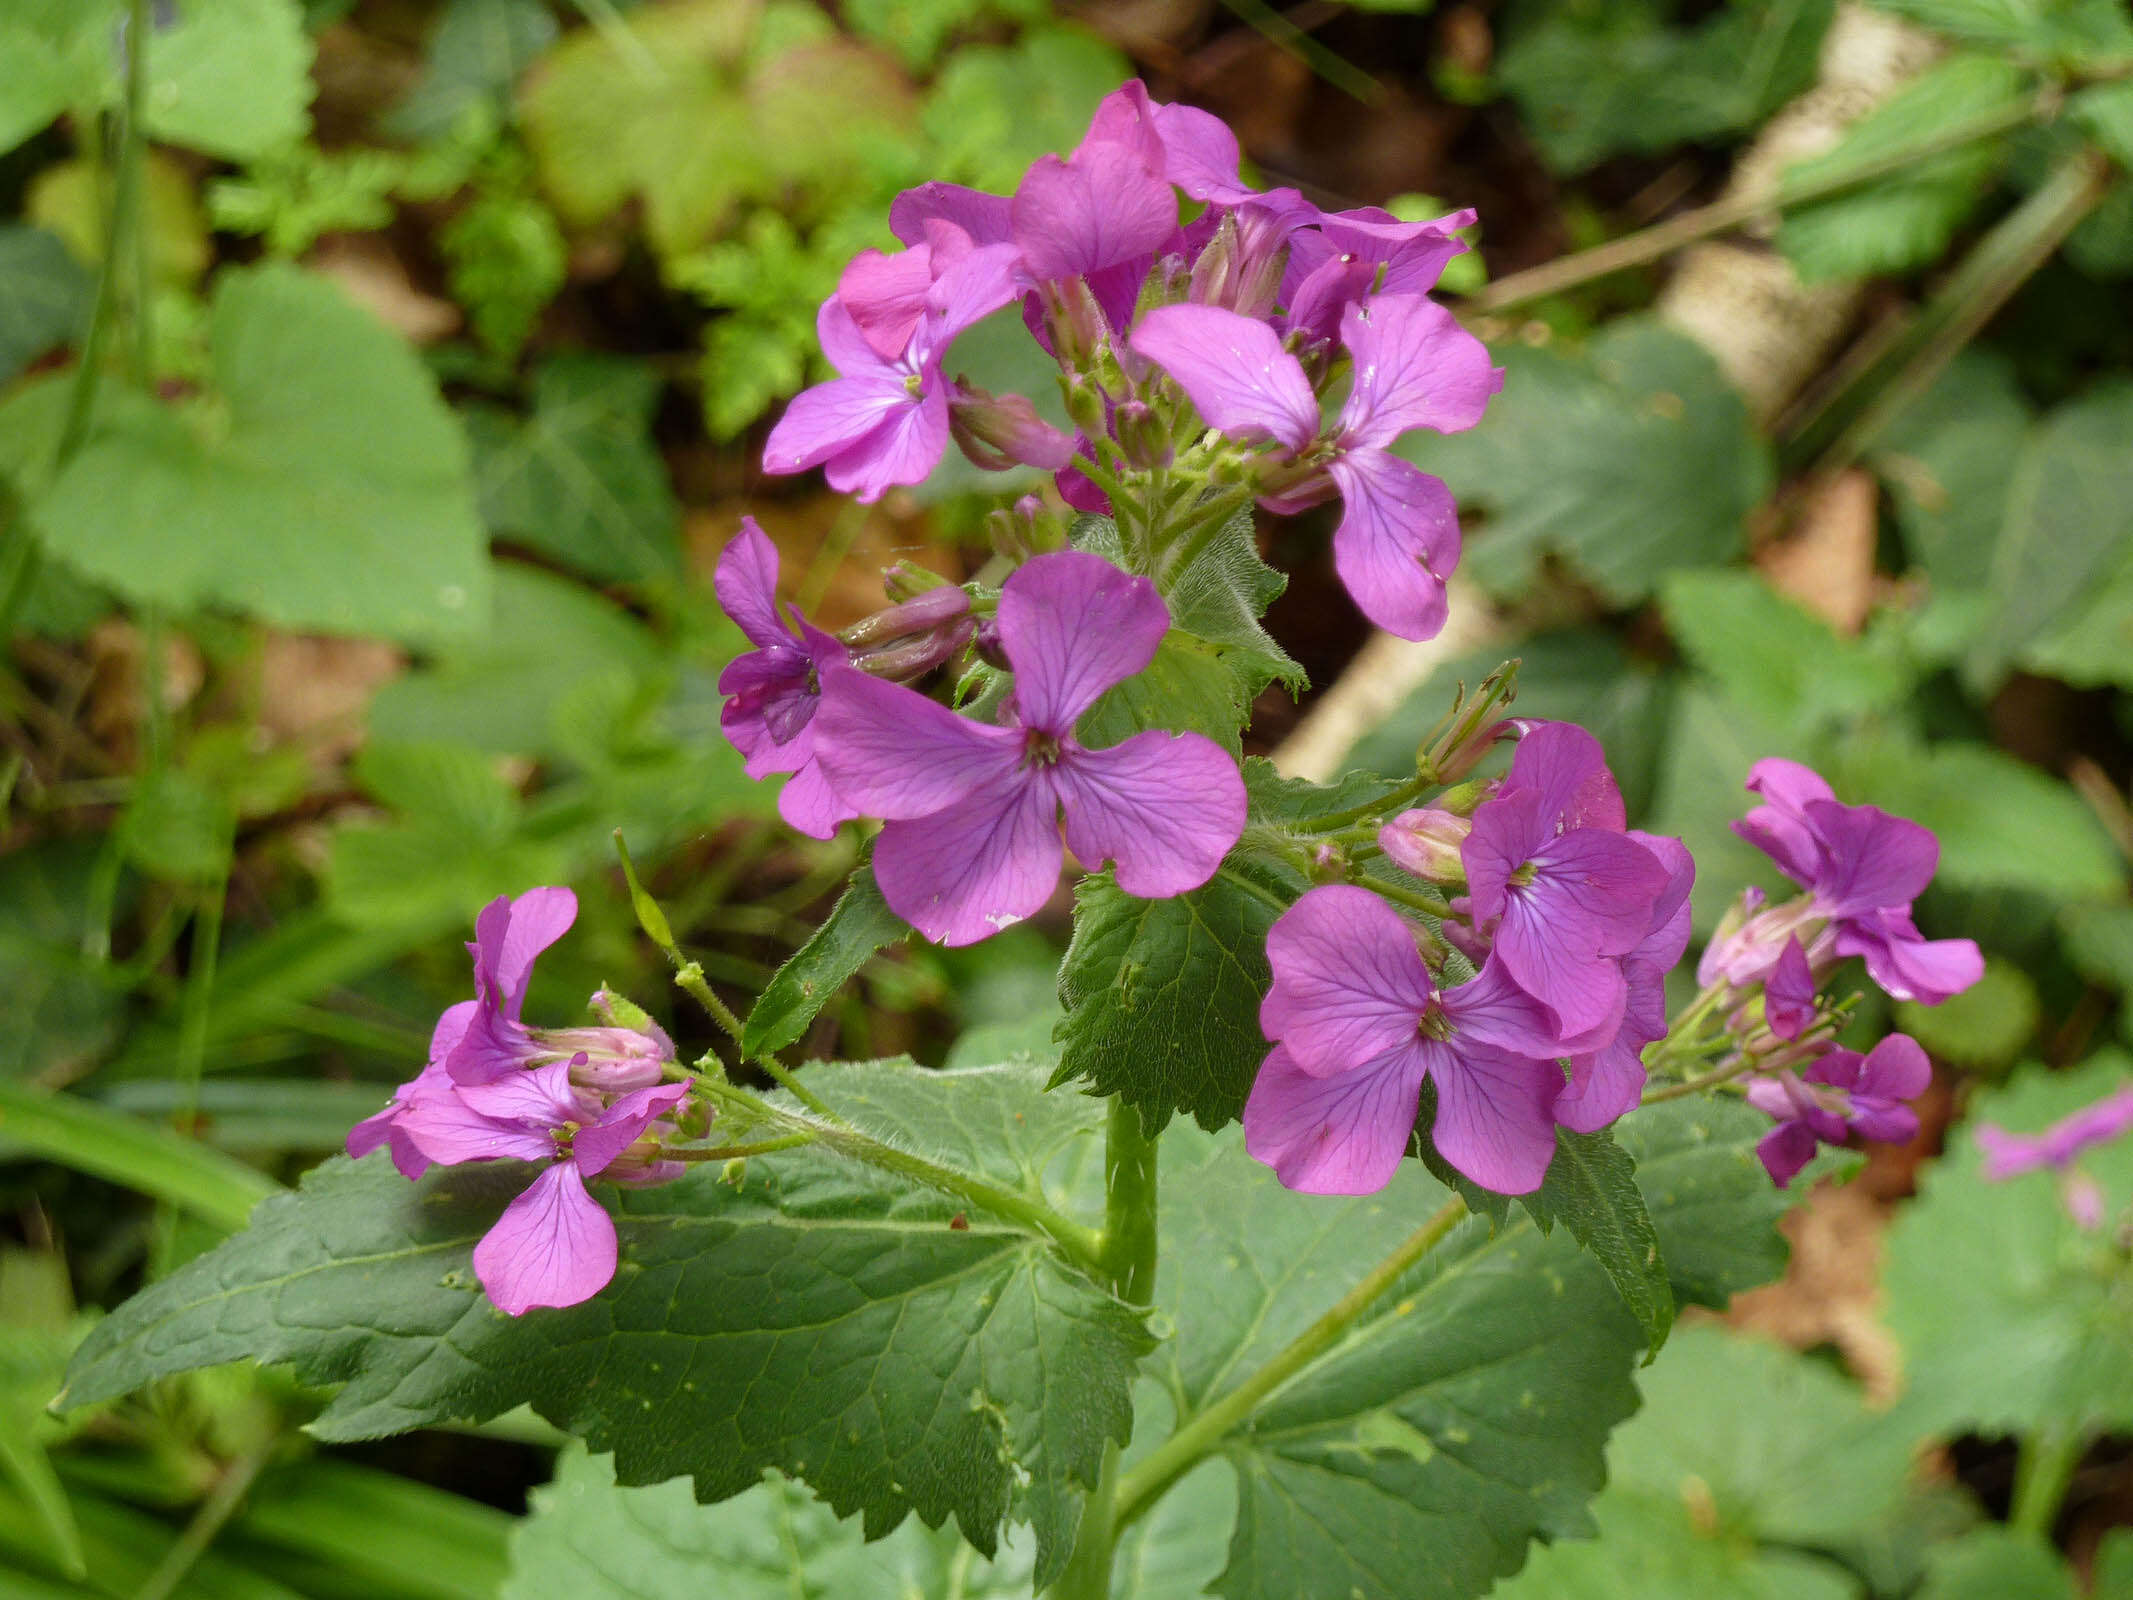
column 1591, row 1189
column 579, row 478
column 1996, row 1564
column 2011, row 1316
column 860, row 924
column 1774, row 657
column 1741, row 1449
column 2091, row 644
column 332, row 492
column 1594, row 81
column 1185, row 689
column 476, row 52
column 818, row 1318
column 2069, row 522
column 592, row 1539
column 232, row 78
column 1904, row 221
column 1632, row 459
column 44, row 295
column 1986, row 1026
column 1162, row 996
column 1949, row 461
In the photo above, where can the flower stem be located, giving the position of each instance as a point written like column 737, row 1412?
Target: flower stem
column 1203, row 1433
column 736, row 1152
column 1334, row 821
column 2043, row 1469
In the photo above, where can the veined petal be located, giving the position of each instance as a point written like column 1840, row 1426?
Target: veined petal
column 1789, row 992
column 541, row 1098
column 893, row 753
column 1165, row 807
column 1905, row 966
column 834, row 418
column 1495, row 1114
column 1072, row 218
column 1784, row 1150
column 1607, row 1083
column 1073, row 625
column 510, row 934
column 1489, row 1008
column 1507, row 831
column 1566, row 766
column 553, row 1246
column 985, row 217
column 968, row 290
column 1668, row 934
column 595, row 1147
column 810, row 805
column 1415, row 367
column 1550, row 964
column 1343, row 1134
column 746, row 583
column 1349, row 984
column 1398, row 540
column 1200, row 154
column 1870, row 859
column 443, row 1127
column 1234, row 370
column 981, row 865
column 886, row 295
column 903, row 450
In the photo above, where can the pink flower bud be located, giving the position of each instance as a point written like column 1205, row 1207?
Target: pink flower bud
column 1427, row 843
column 1142, row 437
column 1000, row 432
column 921, row 614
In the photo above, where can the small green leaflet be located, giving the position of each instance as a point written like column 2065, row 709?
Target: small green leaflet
column 817, row 1318
column 44, row 294
column 860, row 924
column 324, row 487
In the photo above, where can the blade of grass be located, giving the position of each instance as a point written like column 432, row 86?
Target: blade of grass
column 140, row 1156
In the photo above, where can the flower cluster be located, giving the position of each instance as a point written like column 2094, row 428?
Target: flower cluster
column 1190, row 352
column 1570, row 921
column 2059, row 1148
column 582, row 1102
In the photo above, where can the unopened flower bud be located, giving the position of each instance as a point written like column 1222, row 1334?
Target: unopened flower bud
column 920, row 614
column 1463, row 800
column 1074, row 321
column 986, row 642
column 1018, row 531
column 1241, row 267
column 1427, row 843
column 906, row 580
column 1085, row 403
column 1329, row 863
column 1142, row 437
column 916, row 656
column 1000, row 432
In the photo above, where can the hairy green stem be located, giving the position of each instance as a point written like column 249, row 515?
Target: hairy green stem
column 1393, row 800
column 1204, row 1432
column 1662, row 239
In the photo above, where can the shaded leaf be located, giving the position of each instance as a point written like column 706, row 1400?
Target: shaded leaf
column 860, row 924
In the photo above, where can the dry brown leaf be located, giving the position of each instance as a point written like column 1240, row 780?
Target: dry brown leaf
column 1828, row 562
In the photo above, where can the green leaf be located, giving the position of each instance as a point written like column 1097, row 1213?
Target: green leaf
column 232, row 78
column 594, row 1540
column 994, row 109
column 1775, row 658
column 1949, row 461
column 2069, row 521
column 1185, row 689
column 1594, row 81
column 178, row 828
column 2071, row 31
column 1742, row 1449
column 326, row 488
column 817, row 1318
column 1464, row 1414
column 1162, row 996
column 2091, row 644
column 54, row 55
column 1986, row 1026
column 579, row 479
column 1996, row 1564
column 323, row 1516
column 1591, row 1189
column 476, row 52
column 2099, row 943
column 44, row 296
column 2012, row 1317
column 859, row 924
column 1711, row 744
column 63, row 1006
column 136, row 1155
column 2105, row 112
column 1631, row 459
column 2001, row 822
column 1902, row 222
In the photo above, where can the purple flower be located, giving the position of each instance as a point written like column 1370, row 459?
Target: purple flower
column 1359, row 1024
column 1337, row 263
column 1863, row 868
column 2008, row 1155
column 554, row 1245
column 1415, row 367
column 1568, row 901
column 1841, row 1094
column 508, row 935
column 972, row 841
column 383, row 1127
column 776, row 686
column 1789, row 994
column 1191, row 148
column 1607, row 1082
column 884, row 421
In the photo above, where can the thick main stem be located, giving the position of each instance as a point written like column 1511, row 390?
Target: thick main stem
column 1127, row 1263
column 1203, row 1433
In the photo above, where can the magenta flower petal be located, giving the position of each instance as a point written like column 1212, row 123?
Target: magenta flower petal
column 1104, row 207
column 595, row 1148
column 2008, row 1155
column 1495, row 1114
column 833, row 419
column 1073, row 625
column 1780, row 829
column 1870, row 859
column 1895, row 1069
column 1607, row 1083
column 1398, row 540
column 510, row 934
column 1200, row 155
column 1165, row 807
column 554, row 1246
column 903, row 450
column 1415, row 367
column 893, row 753
column 965, row 873
column 1234, row 370
column 1668, row 937
column 1343, row 1134
column 1789, row 993
column 810, row 806
column 539, row 1098
column 886, row 296
column 1349, row 984
column 1566, row 765
column 444, row 1128
column 1784, row 1150
column 746, row 583
column 1906, row 966
column 987, row 218
column 1491, row 1009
